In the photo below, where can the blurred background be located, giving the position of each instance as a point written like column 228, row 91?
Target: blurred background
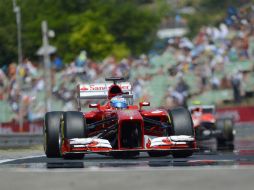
column 174, row 52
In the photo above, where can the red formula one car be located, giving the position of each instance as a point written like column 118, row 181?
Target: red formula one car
column 208, row 126
column 117, row 128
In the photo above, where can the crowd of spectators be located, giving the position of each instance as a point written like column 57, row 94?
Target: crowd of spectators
column 207, row 55
column 26, row 83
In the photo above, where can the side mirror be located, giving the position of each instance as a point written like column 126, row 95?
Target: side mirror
column 141, row 104
column 94, row 106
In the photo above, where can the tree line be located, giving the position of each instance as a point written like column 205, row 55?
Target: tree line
column 101, row 27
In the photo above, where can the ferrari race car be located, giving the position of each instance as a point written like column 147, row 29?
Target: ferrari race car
column 117, row 128
column 209, row 126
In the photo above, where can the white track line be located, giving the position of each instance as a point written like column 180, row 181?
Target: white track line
column 27, row 157
column 6, row 160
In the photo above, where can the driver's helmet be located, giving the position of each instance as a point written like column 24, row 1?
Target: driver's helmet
column 118, row 102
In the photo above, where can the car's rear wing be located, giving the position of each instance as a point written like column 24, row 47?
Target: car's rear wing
column 100, row 90
column 210, row 108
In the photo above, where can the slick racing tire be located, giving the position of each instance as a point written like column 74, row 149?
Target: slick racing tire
column 226, row 140
column 74, row 126
column 182, row 124
column 51, row 133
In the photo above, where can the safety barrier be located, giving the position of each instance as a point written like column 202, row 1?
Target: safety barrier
column 20, row 140
column 12, row 135
column 34, row 127
column 240, row 114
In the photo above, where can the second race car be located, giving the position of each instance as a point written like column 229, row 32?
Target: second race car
column 209, row 126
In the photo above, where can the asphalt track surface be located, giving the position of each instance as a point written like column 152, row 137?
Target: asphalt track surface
column 217, row 170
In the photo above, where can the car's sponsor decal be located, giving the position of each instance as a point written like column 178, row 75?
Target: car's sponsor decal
column 157, row 111
column 102, row 87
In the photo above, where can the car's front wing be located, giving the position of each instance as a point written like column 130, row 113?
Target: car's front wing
column 95, row 145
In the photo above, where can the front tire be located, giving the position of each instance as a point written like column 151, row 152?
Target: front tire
column 182, row 124
column 51, row 134
column 74, row 127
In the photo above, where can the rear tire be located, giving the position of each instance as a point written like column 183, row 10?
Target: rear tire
column 182, row 125
column 51, row 134
column 74, row 127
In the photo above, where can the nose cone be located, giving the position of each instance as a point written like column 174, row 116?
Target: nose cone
column 129, row 115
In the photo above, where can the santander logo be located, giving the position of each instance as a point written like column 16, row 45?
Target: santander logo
column 93, row 87
column 97, row 87
column 83, row 88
